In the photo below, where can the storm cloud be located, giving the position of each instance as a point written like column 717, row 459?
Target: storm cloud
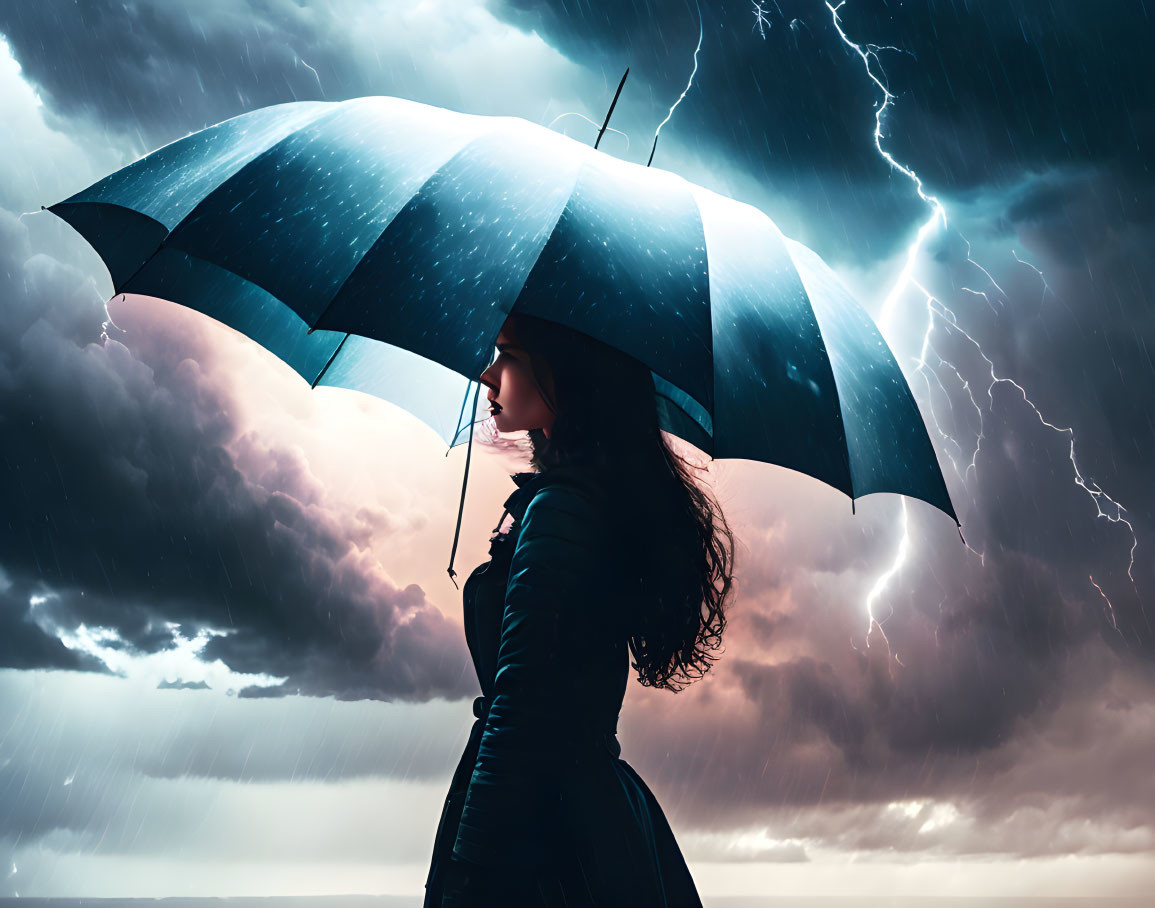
column 126, row 510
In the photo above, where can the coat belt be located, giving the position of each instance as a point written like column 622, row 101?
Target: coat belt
column 609, row 732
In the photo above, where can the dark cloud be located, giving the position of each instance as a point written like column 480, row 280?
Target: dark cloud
column 126, row 510
column 159, row 70
column 1017, row 87
column 25, row 645
column 976, row 656
column 989, row 664
column 1080, row 349
column 1044, row 793
column 985, row 90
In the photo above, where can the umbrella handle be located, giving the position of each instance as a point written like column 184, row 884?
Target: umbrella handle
column 464, row 482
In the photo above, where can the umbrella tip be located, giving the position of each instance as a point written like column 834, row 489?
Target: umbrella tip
column 610, row 112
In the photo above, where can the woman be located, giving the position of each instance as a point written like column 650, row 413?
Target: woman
column 613, row 550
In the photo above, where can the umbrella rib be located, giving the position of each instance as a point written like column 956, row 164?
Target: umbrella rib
column 385, row 227
column 330, row 111
column 710, row 313
column 328, row 362
column 460, row 416
column 848, row 461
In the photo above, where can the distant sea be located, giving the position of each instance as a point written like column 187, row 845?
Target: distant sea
column 386, row 901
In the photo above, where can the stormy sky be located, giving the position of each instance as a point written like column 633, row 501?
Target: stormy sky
column 232, row 661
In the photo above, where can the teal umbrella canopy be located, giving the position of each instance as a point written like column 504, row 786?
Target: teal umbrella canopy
column 378, row 244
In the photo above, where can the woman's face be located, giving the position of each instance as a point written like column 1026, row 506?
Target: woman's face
column 509, row 379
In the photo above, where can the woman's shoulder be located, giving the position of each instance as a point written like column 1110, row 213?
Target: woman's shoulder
column 567, row 502
column 570, row 524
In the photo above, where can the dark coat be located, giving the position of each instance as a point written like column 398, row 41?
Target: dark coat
column 541, row 809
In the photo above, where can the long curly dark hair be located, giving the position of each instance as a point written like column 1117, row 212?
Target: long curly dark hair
column 682, row 549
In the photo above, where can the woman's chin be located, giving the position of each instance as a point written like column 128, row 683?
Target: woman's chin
column 502, row 423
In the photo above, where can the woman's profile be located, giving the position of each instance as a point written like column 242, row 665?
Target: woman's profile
column 614, row 560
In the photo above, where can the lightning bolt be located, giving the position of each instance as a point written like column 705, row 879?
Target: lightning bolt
column 938, row 313
column 693, row 73
column 1046, row 287
column 315, row 74
column 762, row 17
column 1110, row 607
column 108, row 322
column 986, row 273
column 1106, row 507
column 883, row 579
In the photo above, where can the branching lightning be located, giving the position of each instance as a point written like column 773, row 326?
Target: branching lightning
column 1110, row 607
column 938, row 313
column 867, row 54
column 762, row 17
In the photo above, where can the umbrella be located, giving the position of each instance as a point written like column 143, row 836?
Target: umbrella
column 378, row 244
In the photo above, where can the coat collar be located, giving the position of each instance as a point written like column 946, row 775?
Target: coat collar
column 527, row 485
column 529, row 482
column 518, row 500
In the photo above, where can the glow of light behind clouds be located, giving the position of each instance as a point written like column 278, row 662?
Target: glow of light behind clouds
column 181, row 662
